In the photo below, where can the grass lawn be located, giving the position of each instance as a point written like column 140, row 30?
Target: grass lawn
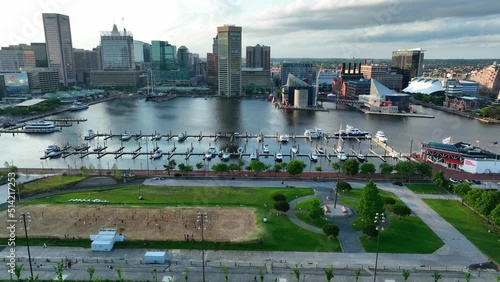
column 408, row 235
column 278, row 234
column 428, row 188
column 471, row 225
column 305, row 204
column 49, row 183
column 302, row 212
column 356, row 193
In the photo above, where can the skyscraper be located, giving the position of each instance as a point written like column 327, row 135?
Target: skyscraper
column 409, row 63
column 258, row 57
column 229, row 48
column 183, row 57
column 40, row 50
column 117, row 50
column 163, row 55
column 59, row 46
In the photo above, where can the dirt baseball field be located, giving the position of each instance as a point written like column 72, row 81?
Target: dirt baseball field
column 138, row 223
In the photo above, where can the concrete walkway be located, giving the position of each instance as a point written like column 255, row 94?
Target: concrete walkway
column 291, row 215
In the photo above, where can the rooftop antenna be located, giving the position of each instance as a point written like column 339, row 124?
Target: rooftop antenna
column 123, row 23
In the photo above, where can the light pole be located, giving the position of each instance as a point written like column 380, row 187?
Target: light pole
column 265, row 213
column 24, row 217
column 379, row 220
column 202, row 218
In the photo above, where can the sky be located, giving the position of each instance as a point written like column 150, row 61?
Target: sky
column 293, row 28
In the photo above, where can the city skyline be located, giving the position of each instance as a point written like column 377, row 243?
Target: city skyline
column 307, row 29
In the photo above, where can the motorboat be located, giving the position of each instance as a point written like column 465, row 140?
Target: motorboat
column 295, row 149
column 54, row 154
column 208, row 156
column 221, row 153
column 284, row 138
column 98, row 148
column 181, row 137
column 351, row 132
column 226, row 156
column 321, row 150
column 52, row 148
column 341, row 155
column 40, row 127
column 212, row 150
column 81, row 147
column 89, row 135
column 156, row 137
column 314, row 157
column 78, row 106
column 361, row 158
column 380, row 136
column 260, row 138
column 253, row 156
column 315, row 133
column 157, row 154
column 278, row 157
column 126, row 136
column 265, row 150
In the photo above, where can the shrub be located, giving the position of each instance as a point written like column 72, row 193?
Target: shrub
column 342, row 185
column 389, row 201
column 370, row 229
column 282, row 206
column 278, row 197
column 331, row 229
column 177, row 174
column 401, row 210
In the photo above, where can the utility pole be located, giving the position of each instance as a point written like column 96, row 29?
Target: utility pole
column 379, row 220
column 23, row 219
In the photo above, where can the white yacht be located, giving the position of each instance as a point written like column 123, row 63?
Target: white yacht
column 314, row 157
column 226, row 156
column 52, row 148
column 253, row 156
column 157, row 154
column 321, row 150
column 212, row 150
column 361, row 158
column 295, row 149
column 341, row 155
column 40, row 127
column 315, row 133
column 278, row 157
column 126, row 136
column 89, row 135
column 260, row 138
column 265, row 150
column 54, row 154
column 208, row 156
column 380, row 136
column 181, row 137
column 78, row 106
column 156, row 137
column 284, row 138
column 351, row 132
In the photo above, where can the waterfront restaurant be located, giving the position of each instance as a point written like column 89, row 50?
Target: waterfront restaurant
column 462, row 156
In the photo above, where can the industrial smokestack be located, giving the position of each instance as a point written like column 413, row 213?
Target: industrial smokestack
column 349, row 68
column 359, row 68
column 365, row 62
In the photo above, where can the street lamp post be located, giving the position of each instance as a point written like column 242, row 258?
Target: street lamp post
column 265, row 213
column 24, row 217
column 202, row 219
column 379, row 220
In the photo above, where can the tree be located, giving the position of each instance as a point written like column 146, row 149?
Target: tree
column 185, row 168
column 276, row 168
column 233, row 167
column 344, row 186
column 318, row 169
column 423, row 169
column 18, row 269
column 282, row 206
column 367, row 168
column 462, row 189
column 283, row 166
column 467, row 276
column 316, row 210
column 385, row 169
column 118, row 174
column 331, row 229
column 405, row 274
column 84, row 171
column 199, row 165
column 440, row 179
column 261, row 274
column 12, row 169
column 170, row 166
column 91, row 271
column 59, row 268
column 225, row 270
column 389, row 201
column 278, row 197
column 186, row 273
column 241, row 164
column 336, row 166
column 436, row 276
column 495, row 215
column 329, row 274
column 296, row 270
column 350, row 167
column 473, row 197
column 220, row 167
column 357, row 273
column 405, row 169
column 370, row 202
column 488, row 201
column 257, row 166
column 295, row 167
column 370, row 229
column 119, row 273
column 401, row 210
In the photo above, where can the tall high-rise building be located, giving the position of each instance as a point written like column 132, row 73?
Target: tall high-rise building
column 59, row 46
column 163, row 56
column 229, row 49
column 85, row 62
column 409, row 63
column 183, row 57
column 212, row 68
column 302, row 71
column 40, row 50
column 384, row 75
column 258, row 57
column 15, row 57
column 117, row 50
column 215, row 45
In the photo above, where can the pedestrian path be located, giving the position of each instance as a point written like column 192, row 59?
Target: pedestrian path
column 291, row 215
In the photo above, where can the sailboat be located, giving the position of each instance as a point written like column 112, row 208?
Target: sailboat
column 341, row 155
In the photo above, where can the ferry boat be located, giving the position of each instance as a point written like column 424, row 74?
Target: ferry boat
column 78, row 106
column 126, row 136
column 278, row 158
column 52, row 148
column 265, row 150
column 284, row 138
column 351, row 132
column 315, row 133
column 157, row 154
column 380, row 136
column 40, row 127
column 89, row 135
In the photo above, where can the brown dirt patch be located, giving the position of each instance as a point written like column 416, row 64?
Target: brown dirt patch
column 138, row 223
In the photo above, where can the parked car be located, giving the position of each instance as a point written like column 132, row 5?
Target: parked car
column 396, row 182
column 476, row 181
column 454, row 181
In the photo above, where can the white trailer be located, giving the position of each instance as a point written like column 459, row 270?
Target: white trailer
column 155, row 257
